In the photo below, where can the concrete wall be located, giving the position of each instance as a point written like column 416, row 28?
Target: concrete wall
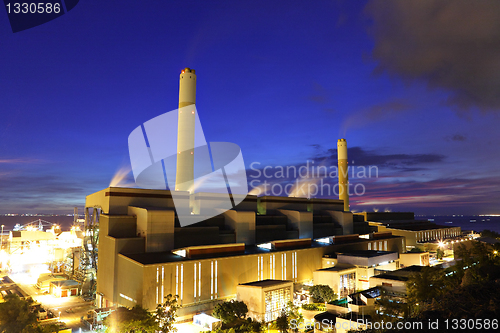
column 325, row 230
column 129, row 282
column 270, row 204
column 157, row 226
column 108, row 272
column 254, row 299
column 189, row 236
column 344, row 219
column 366, row 261
column 409, row 259
column 390, row 285
column 230, row 272
column 243, row 224
column 332, row 278
column 300, row 221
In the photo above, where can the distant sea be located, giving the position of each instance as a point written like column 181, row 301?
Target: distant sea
column 481, row 222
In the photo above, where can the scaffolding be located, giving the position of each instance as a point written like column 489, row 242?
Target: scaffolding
column 86, row 273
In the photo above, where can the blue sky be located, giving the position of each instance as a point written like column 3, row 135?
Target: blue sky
column 414, row 87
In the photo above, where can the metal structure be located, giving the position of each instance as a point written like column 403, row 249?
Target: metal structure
column 37, row 224
column 87, row 271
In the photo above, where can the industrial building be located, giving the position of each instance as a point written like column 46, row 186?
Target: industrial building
column 145, row 255
column 263, row 250
column 416, row 232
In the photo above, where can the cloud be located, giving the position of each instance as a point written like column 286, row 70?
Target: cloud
column 442, row 196
column 361, row 156
column 319, row 95
column 456, row 137
column 19, row 160
column 449, row 44
column 374, row 113
column 40, row 191
column 358, row 157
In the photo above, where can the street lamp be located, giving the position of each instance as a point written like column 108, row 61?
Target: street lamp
column 1, row 238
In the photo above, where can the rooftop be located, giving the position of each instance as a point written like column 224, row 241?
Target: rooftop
column 150, row 258
column 65, row 283
column 365, row 253
column 401, row 274
column 337, row 267
column 264, row 283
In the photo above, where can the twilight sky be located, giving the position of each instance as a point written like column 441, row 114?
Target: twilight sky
column 414, row 87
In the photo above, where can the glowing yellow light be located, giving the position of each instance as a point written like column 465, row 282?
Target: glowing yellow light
column 441, row 244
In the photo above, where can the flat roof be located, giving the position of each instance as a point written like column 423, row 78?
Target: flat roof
column 337, row 267
column 65, row 283
column 265, row 283
column 365, row 253
column 389, row 276
column 150, row 258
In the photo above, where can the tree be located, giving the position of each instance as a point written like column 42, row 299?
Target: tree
column 439, row 253
column 17, row 315
column 489, row 233
column 282, row 321
column 167, row 312
column 230, row 311
column 389, row 307
column 137, row 319
column 322, row 293
column 293, row 313
column 425, row 286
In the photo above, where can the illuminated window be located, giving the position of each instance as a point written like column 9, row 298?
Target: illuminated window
column 276, row 300
column 157, row 281
column 283, row 266
column 258, row 268
column 272, row 271
column 347, row 284
column 177, row 279
column 296, row 276
column 162, row 283
column 199, row 279
column 182, row 281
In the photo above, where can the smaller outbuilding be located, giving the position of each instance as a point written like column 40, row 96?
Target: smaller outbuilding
column 265, row 299
column 64, row 288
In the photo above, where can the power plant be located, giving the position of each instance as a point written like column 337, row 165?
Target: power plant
column 273, row 246
column 343, row 173
column 185, row 133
